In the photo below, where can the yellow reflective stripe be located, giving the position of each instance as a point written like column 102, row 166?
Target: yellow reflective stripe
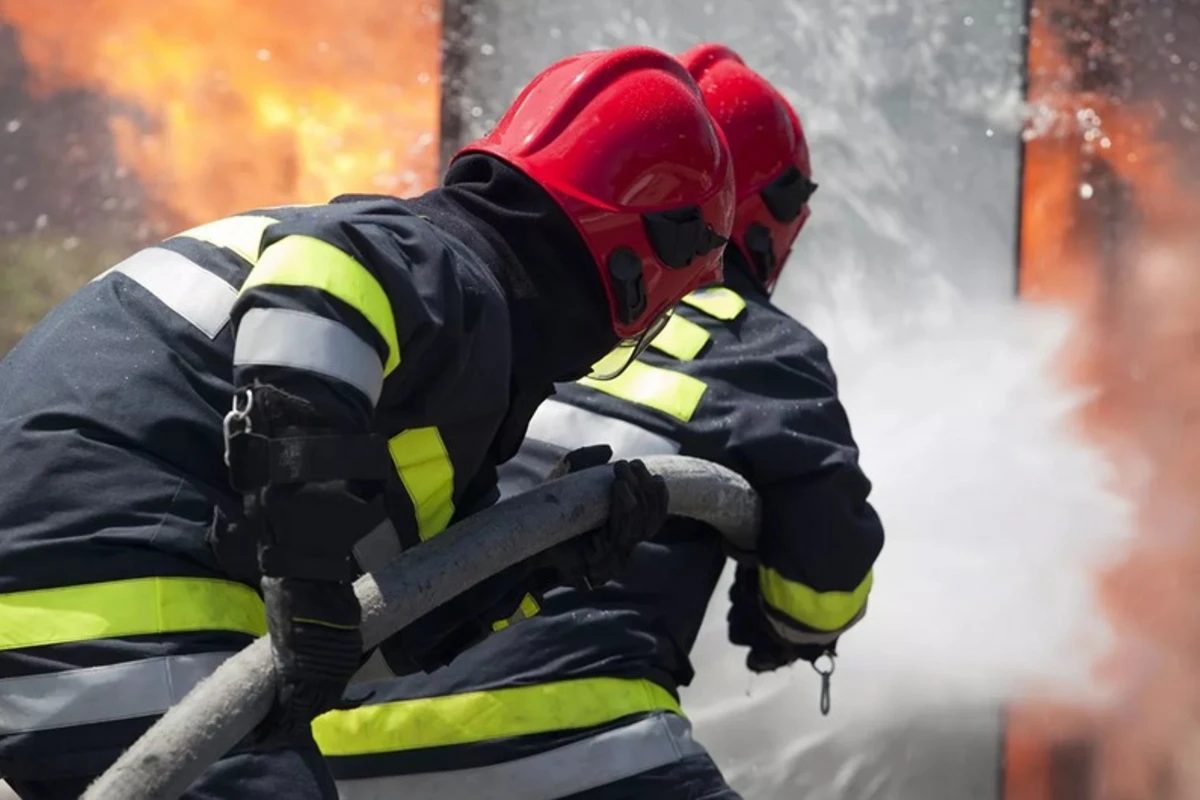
column 484, row 716
column 134, row 607
column 720, row 302
column 305, row 261
column 661, row 389
column 529, row 608
column 825, row 611
column 681, row 339
column 242, row 235
column 425, row 470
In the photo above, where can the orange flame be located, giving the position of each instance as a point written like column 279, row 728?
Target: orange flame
column 1135, row 345
column 224, row 105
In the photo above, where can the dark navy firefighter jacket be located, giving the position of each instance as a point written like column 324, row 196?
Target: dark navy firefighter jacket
column 731, row 379
column 112, row 602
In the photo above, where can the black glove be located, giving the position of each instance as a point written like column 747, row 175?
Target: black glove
column 317, row 648
column 637, row 510
column 580, row 459
column 749, row 627
column 305, row 527
column 312, row 613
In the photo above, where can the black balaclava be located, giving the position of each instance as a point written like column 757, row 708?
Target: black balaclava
column 559, row 309
column 740, row 274
column 557, row 306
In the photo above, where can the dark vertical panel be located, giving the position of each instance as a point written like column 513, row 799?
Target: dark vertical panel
column 1026, row 38
column 458, row 26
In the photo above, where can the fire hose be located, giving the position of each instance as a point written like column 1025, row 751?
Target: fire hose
column 227, row 705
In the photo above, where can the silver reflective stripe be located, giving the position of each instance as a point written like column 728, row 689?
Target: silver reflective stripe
column 101, row 694
column 378, row 547
column 296, row 339
column 596, row 761
column 571, row 427
column 183, row 286
column 796, row 635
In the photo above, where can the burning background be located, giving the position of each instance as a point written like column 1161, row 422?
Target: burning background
column 122, row 120
column 1111, row 221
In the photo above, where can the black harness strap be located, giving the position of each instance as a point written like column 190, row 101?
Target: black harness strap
column 257, row 461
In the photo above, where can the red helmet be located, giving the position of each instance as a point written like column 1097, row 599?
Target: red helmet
column 622, row 140
column 770, row 155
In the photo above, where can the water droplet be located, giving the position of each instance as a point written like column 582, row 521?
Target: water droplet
column 555, row 33
column 41, row 222
column 70, row 243
column 423, row 78
column 1086, row 191
column 20, row 184
column 968, row 21
column 990, row 133
column 476, row 112
column 13, row 125
column 487, row 49
column 263, row 54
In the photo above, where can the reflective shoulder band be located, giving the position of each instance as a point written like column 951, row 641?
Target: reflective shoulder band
column 135, row 607
column 824, row 611
column 305, row 261
column 567, row 771
column 663, row 390
column 720, row 302
column 425, row 469
column 572, row 427
column 485, row 715
column 101, row 694
column 681, row 339
column 183, row 286
column 242, row 235
column 285, row 338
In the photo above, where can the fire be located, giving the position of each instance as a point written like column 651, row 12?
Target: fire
column 223, row 105
column 1111, row 227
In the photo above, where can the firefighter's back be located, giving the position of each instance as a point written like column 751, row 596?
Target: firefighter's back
column 110, row 437
column 115, row 598
column 581, row 700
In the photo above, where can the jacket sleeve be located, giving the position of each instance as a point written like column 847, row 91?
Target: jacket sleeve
column 774, row 416
column 334, row 297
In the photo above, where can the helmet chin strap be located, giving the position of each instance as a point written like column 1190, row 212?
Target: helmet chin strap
column 617, row 361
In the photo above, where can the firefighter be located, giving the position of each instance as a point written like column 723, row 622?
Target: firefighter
column 581, row 701
column 266, row 399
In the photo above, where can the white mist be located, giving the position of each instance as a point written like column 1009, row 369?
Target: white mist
column 996, row 517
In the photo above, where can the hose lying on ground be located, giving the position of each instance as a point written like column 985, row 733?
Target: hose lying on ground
column 226, row 706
